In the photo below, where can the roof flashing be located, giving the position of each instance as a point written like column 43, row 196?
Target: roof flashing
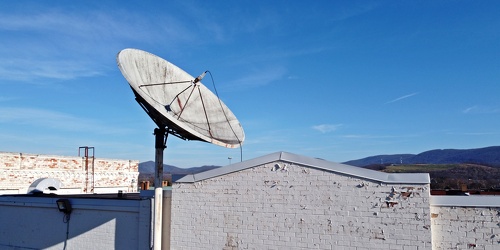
column 413, row 178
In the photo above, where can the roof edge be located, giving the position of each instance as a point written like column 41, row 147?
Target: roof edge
column 410, row 178
column 465, row 201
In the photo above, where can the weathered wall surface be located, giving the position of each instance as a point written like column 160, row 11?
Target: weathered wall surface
column 465, row 227
column 19, row 170
column 36, row 223
column 298, row 207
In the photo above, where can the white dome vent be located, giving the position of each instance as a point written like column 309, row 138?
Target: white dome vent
column 43, row 185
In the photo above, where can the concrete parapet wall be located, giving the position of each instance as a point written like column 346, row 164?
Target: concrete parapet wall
column 18, row 171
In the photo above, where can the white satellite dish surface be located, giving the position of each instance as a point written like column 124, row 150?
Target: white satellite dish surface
column 178, row 101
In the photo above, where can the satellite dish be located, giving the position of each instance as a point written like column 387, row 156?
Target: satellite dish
column 180, row 105
column 179, row 101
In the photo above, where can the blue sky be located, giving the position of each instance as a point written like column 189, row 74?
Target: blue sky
column 338, row 80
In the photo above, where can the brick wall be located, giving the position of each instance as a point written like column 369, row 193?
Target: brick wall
column 18, row 171
column 456, row 227
column 289, row 206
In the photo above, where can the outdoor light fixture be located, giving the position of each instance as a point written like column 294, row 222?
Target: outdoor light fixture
column 64, row 206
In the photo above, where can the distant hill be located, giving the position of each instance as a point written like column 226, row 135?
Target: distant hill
column 448, row 168
column 488, row 156
column 449, row 176
column 148, row 167
column 380, row 159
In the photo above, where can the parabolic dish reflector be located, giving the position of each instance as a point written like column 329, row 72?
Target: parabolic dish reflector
column 174, row 99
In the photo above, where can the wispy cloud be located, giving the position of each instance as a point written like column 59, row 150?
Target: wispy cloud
column 61, row 50
column 479, row 109
column 354, row 10
column 55, row 120
column 76, row 44
column 354, row 136
column 30, row 70
column 326, row 128
column 6, row 99
column 367, row 136
column 480, row 133
column 402, row 97
column 260, row 78
column 93, row 25
column 473, row 133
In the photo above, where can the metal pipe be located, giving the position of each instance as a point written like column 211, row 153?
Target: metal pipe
column 163, row 83
column 160, row 142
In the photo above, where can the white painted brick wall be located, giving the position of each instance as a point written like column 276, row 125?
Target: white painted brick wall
column 298, row 208
column 18, row 171
column 465, row 227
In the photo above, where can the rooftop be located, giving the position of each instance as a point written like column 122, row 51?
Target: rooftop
column 415, row 178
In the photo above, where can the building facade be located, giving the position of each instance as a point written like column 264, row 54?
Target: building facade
column 287, row 201
column 277, row 201
column 18, row 171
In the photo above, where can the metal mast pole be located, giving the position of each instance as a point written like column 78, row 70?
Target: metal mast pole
column 160, row 145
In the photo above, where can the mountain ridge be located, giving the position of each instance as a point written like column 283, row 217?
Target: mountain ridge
column 489, row 156
column 148, row 167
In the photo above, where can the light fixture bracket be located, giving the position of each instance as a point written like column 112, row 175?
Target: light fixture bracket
column 64, row 206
